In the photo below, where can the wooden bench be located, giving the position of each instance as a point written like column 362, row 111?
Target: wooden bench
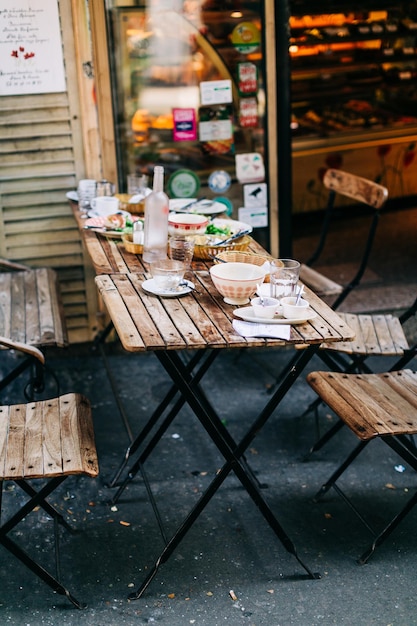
column 373, row 406
column 49, row 439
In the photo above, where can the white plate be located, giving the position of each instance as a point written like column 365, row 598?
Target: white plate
column 204, row 207
column 246, row 313
column 234, row 225
column 150, row 287
column 98, row 213
column 72, row 195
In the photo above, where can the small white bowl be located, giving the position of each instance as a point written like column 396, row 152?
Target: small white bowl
column 290, row 311
column 187, row 224
column 266, row 310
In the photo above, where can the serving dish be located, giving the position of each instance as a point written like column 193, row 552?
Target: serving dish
column 246, row 313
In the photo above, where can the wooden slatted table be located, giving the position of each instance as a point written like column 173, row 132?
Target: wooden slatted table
column 200, row 324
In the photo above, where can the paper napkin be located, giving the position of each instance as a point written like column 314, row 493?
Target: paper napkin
column 271, row 331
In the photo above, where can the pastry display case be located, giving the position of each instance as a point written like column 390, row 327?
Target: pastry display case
column 353, row 94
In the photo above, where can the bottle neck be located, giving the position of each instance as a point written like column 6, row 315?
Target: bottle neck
column 158, row 178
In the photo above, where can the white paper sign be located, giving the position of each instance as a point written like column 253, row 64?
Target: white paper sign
column 256, row 217
column 255, row 195
column 215, row 130
column 216, row 91
column 250, row 167
column 30, row 48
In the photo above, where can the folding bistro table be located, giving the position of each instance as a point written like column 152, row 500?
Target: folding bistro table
column 202, row 322
column 197, row 325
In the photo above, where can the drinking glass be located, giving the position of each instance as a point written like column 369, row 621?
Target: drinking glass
column 181, row 249
column 86, row 191
column 284, row 275
column 137, row 184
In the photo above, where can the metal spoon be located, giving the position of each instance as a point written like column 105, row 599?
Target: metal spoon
column 261, row 298
column 299, row 295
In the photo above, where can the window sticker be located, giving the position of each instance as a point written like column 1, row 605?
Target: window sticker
column 185, row 125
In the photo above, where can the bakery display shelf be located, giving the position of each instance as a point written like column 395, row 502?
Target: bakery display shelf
column 318, row 7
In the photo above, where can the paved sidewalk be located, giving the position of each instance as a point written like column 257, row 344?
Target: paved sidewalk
column 230, row 569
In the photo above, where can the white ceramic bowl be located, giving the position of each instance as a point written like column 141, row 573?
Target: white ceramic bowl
column 187, row 224
column 167, row 274
column 265, row 307
column 289, row 310
column 237, row 281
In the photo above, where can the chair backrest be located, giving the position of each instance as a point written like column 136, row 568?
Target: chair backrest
column 363, row 191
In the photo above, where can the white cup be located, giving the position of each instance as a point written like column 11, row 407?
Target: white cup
column 105, row 205
column 292, row 311
column 265, row 307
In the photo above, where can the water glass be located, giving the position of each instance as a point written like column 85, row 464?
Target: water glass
column 284, row 275
column 86, row 191
column 137, row 184
column 181, row 249
column 105, row 188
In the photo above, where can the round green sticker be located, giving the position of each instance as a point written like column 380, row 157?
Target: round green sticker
column 246, row 37
column 183, row 184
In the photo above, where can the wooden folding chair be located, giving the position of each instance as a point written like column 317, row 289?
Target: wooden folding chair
column 362, row 191
column 31, row 311
column 49, row 440
column 373, row 406
column 381, row 335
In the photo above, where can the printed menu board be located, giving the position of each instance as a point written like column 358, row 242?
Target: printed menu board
column 30, row 48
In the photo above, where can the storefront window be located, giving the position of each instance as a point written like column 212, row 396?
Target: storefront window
column 188, row 88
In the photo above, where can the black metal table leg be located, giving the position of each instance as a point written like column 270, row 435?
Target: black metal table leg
column 153, row 420
column 232, row 453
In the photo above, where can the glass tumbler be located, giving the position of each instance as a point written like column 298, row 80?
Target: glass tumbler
column 86, row 191
column 181, row 249
column 137, row 184
column 284, row 275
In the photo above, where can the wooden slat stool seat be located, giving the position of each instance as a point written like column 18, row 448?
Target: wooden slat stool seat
column 372, row 405
column 50, row 440
column 377, row 335
column 31, row 310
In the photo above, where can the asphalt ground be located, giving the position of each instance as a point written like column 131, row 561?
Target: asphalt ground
column 230, row 568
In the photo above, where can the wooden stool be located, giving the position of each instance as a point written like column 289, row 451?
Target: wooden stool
column 372, row 405
column 50, row 439
column 31, row 312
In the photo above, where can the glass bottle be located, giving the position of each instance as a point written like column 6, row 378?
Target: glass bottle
column 156, row 220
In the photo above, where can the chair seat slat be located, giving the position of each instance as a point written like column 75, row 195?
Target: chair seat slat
column 371, row 404
column 47, row 438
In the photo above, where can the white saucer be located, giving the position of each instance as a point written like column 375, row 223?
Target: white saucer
column 97, row 213
column 72, row 195
column 246, row 313
column 150, row 287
